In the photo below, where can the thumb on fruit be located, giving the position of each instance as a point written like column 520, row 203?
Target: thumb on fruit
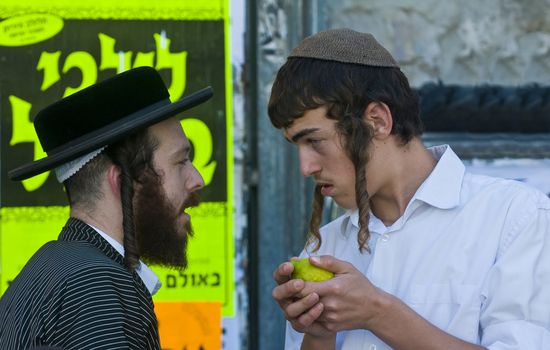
column 330, row 263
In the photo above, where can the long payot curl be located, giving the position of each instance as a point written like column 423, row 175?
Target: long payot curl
column 134, row 156
column 131, row 254
column 357, row 140
column 314, row 236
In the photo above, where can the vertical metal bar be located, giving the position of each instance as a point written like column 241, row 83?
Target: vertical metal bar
column 251, row 165
column 279, row 208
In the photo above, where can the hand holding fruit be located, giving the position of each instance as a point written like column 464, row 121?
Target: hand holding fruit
column 305, row 271
column 300, row 309
column 349, row 299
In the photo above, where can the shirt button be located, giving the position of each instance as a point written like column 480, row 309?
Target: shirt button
column 372, row 347
column 385, row 237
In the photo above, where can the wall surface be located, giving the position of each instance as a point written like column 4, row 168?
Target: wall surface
column 462, row 42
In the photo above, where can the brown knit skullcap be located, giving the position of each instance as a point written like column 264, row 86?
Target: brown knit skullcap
column 345, row 45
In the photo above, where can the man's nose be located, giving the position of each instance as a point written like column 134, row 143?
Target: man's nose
column 309, row 165
column 195, row 181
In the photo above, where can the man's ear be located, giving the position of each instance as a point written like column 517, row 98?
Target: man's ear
column 113, row 178
column 379, row 116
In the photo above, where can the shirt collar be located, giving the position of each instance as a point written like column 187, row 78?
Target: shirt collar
column 441, row 188
column 149, row 278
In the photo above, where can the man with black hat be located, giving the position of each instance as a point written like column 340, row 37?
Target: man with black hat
column 427, row 256
column 123, row 158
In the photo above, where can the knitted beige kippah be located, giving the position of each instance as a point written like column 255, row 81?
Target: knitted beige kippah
column 345, row 45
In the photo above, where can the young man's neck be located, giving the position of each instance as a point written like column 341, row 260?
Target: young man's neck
column 405, row 169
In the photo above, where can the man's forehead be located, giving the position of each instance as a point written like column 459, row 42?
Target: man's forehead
column 179, row 144
column 311, row 121
column 170, row 135
column 185, row 145
column 289, row 131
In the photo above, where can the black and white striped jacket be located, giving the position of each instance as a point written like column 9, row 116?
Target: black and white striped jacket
column 75, row 293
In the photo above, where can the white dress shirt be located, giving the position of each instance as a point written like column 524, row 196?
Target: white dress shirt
column 471, row 254
column 149, row 278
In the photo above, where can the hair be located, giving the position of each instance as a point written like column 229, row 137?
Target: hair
column 84, row 187
column 134, row 156
column 345, row 90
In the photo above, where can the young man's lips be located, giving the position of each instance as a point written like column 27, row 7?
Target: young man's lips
column 326, row 189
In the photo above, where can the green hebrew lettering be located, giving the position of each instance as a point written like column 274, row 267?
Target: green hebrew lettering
column 200, row 136
column 87, row 65
column 176, row 62
column 23, row 131
column 48, row 62
column 110, row 59
column 144, row 59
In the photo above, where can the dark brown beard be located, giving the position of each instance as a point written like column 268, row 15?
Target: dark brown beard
column 159, row 239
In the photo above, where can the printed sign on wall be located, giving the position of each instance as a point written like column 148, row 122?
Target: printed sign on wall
column 49, row 50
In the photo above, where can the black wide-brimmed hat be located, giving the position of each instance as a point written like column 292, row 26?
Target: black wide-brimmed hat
column 102, row 114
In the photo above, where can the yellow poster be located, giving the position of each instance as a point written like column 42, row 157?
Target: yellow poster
column 52, row 49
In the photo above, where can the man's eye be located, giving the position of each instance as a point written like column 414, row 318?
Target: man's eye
column 313, row 141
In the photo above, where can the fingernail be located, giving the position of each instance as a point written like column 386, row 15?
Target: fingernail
column 315, row 259
column 297, row 284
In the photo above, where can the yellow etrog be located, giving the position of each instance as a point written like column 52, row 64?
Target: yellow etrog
column 307, row 272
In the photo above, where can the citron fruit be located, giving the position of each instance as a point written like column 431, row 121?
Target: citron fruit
column 305, row 271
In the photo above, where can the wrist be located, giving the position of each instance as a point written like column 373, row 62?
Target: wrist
column 379, row 308
column 319, row 342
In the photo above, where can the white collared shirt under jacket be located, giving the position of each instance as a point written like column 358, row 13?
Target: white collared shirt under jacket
column 471, row 254
column 148, row 276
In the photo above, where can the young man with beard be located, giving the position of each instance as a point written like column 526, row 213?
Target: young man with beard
column 123, row 158
column 428, row 256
